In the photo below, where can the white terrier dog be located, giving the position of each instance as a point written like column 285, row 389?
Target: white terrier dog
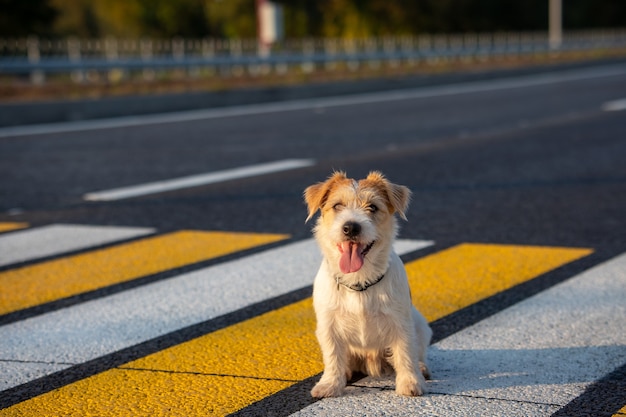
column 365, row 319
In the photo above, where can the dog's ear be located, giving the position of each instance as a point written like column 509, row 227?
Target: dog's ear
column 398, row 196
column 316, row 195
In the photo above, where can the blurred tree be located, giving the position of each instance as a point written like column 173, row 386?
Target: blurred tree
column 23, row 18
column 482, row 15
column 303, row 18
column 232, row 18
column 578, row 14
column 385, row 17
column 132, row 18
column 167, row 18
column 95, row 18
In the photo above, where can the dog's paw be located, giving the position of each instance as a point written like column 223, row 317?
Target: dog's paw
column 323, row 390
column 424, row 370
column 410, row 386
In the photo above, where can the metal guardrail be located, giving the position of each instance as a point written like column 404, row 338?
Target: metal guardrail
column 38, row 57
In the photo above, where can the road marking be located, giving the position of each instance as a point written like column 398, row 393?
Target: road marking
column 226, row 370
column 135, row 316
column 55, row 239
column 325, row 102
column 615, row 105
column 530, row 359
column 197, row 180
column 450, row 285
column 52, row 280
column 7, row 227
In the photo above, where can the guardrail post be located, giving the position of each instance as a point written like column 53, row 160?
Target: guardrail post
column 178, row 53
column 389, row 48
column 408, row 50
column 178, row 49
column 371, row 49
column 37, row 77
column 350, row 46
column 208, row 52
column 111, row 53
column 282, row 67
column 145, row 50
column 308, row 50
column 330, row 50
column 236, row 51
column 424, row 43
column 73, row 53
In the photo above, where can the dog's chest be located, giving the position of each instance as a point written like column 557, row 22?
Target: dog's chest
column 366, row 321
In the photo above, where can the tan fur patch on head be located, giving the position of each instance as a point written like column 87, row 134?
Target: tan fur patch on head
column 397, row 196
column 316, row 195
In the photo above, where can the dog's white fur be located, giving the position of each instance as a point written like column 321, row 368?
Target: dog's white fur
column 373, row 330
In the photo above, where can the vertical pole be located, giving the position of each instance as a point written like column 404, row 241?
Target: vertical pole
column 146, row 51
column 37, row 77
column 261, row 22
column 111, row 52
column 208, row 53
column 73, row 53
column 178, row 55
column 556, row 24
column 269, row 25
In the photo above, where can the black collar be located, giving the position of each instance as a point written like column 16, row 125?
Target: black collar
column 358, row 286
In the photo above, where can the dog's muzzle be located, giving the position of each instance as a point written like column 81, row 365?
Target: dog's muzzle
column 351, row 229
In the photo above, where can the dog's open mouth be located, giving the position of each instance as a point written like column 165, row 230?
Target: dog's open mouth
column 352, row 255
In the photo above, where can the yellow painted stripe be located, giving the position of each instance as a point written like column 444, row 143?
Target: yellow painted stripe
column 227, row 370
column 6, row 227
column 48, row 281
column 465, row 274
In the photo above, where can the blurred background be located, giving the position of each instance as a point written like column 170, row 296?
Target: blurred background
column 52, row 49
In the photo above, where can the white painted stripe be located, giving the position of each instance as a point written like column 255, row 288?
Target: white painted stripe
column 306, row 104
column 615, row 105
column 14, row 372
column 530, row 359
column 26, row 245
column 197, row 180
column 86, row 331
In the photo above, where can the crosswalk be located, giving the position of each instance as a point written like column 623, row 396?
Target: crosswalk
column 5, row 227
column 217, row 323
column 69, row 276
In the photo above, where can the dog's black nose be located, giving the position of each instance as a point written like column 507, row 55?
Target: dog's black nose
column 351, row 229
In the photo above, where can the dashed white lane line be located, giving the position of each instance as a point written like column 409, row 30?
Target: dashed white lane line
column 528, row 360
column 197, row 180
column 326, row 102
column 87, row 331
column 56, row 239
column 615, row 105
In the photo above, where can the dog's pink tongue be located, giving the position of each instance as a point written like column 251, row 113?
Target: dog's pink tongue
column 351, row 258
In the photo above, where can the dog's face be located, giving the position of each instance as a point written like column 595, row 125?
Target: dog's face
column 357, row 223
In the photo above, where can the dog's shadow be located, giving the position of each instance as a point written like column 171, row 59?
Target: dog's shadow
column 526, row 371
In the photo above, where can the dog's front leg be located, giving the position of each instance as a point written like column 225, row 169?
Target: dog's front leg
column 409, row 380
column 335, row 354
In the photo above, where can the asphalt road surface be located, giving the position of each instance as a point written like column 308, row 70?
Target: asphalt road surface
column 160, row 265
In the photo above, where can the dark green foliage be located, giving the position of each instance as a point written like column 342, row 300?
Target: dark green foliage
column 303, row 18
column 26, row 17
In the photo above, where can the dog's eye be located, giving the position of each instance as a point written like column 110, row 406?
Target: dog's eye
column 372, row 208
column 338, row 207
